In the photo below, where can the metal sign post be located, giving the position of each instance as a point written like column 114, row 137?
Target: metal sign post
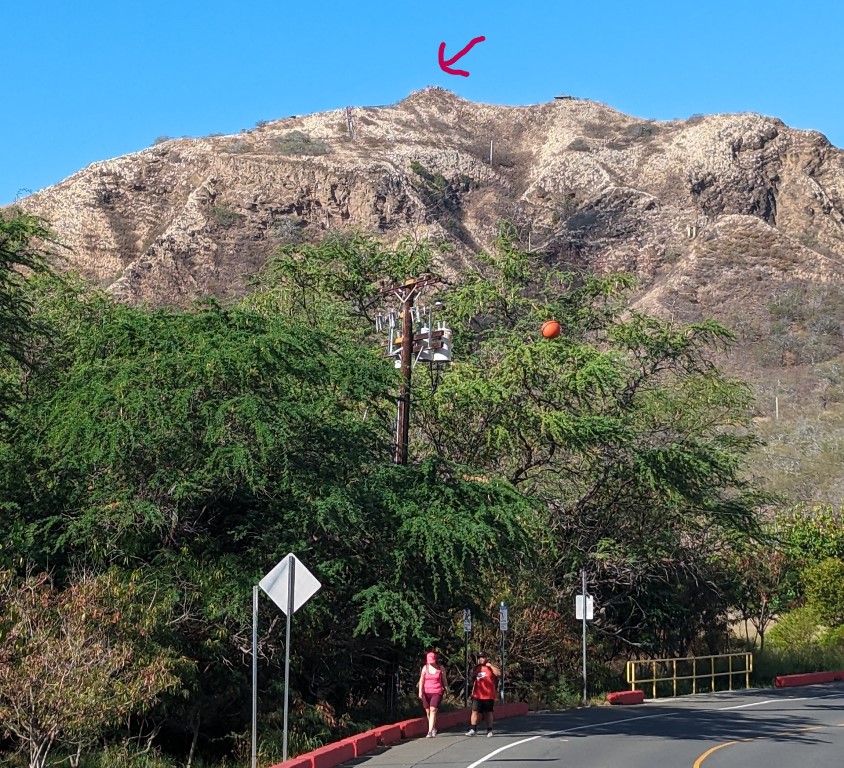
column 584, row 608
column 289, row 585
column 254, row 676
column 583, row 585
column 503, row 623
column 467, row 630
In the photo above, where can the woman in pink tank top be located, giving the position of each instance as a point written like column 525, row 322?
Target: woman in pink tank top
column 431, row 689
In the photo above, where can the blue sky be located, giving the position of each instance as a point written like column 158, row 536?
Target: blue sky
column 90, row 80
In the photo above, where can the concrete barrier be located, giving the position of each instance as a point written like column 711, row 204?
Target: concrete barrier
column 453, row 719
column 362, row 742
column 332, row 755
column 510, row 709
column 410, row 729
column 808, row 678
column 388, row 734
column 303, row 761
column 626, row 697
column 349, row 748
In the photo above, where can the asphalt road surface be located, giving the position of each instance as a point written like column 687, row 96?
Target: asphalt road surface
column 790, row 728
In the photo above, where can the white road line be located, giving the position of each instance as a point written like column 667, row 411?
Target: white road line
column 785, row 698
column 505, row 747
column 755, row 704
column 482, row 760
column 495, row 752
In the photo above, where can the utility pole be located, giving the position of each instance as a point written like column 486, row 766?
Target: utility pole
column 403, row 419
column 407, row 293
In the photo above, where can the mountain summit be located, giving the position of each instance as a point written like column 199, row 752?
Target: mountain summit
column 700, row 208
column 736, row 217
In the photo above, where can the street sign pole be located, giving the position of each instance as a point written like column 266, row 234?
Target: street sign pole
column 467, row 628
column 290, row 595
column 583, row 585
column 503, row 624
column 290, row 586
column 254, row 676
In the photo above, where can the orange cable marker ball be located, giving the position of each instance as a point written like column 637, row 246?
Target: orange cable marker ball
column 551, row 329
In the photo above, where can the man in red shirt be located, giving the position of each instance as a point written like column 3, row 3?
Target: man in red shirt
column 483, row 693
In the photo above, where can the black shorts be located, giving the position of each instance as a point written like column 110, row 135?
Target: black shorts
column 482, row 705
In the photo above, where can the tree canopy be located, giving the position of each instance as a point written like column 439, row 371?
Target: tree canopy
column 198, row 447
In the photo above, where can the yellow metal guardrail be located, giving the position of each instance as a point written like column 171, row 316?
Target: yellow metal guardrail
column 694, row 668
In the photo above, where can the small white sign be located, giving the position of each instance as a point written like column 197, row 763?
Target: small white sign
column 503, row 617
column 275, row 583
column 578, row 607
column 467, row 620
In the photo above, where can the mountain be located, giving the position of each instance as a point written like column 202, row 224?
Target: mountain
column 738, row 217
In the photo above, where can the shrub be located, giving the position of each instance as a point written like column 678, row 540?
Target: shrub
column 811, row 658
column 579, row 145
column 797, row 629
column 642, row 130
column 225, row 216
column 824, row 585
column 299, row 143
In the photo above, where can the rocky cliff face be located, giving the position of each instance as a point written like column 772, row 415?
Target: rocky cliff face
column 733, row 216
column 712, row 197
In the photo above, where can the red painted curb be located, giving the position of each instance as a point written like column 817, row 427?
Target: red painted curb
column 447, row 720
column 303, row 761
column 626, row 697
column 417, row 726
column 388, row 734
column 809, row 678
column 362, row 742
column 511, row 709
column 334, row 754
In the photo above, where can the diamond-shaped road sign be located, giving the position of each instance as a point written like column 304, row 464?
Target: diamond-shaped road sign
column 276, row 582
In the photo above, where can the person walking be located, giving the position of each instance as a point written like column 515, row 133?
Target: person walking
column 431, row 689
column 485, row 676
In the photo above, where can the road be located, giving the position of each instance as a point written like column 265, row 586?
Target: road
column 792, row 728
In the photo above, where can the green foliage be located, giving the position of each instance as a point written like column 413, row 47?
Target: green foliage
column 622, row 426
column 797, row 659
column 337, row 281
column 205, row 445
column 299, row 143
column 824, row 585
column 225, row 216
column 797, row 629
column 25, row 243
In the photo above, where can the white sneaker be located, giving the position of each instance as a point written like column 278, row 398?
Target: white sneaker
column 433, row 733
column 428, row 735
column 470, row 732
column 489, row 734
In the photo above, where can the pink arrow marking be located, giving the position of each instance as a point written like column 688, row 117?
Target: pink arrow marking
column 445, row 65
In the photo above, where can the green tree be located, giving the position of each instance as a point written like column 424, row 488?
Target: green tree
column 825, row 590
column 623, row 428
column 25, row 248
column 206, row 445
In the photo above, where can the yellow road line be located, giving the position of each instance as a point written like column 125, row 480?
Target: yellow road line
column 697, row 763
column 709, row 751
